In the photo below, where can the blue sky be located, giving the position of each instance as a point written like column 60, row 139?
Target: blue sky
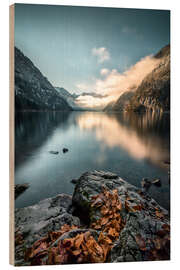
column 71, row 45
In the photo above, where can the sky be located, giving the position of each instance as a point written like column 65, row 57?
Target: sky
column 84, row 48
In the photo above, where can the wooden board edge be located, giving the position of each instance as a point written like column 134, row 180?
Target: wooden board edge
column 11, row 136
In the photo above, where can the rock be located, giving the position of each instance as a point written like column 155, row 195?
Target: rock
column 20, row 188
column 153, row 93
column 169, row 176
column 145, row 183
column 74, row 232
column 33, row 222
column 157, row 182
column 33, row 91
column 144, row 225
column 65, row 150
column 54, row 152
column 74, row 181
column 141, row 226
column 167, row 162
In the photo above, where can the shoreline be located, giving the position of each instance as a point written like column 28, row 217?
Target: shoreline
column 134, row 211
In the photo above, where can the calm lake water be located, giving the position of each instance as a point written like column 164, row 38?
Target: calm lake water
column 134, row 146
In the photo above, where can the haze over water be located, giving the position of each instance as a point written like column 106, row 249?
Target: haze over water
column 131, row 145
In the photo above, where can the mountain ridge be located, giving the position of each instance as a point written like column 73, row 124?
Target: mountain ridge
column 152, row 93
column 33, row 91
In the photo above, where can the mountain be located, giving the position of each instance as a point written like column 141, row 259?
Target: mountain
column 33, row 91
column 121, row 103
column 153, row 92
column 70, row 98
column 109, row 107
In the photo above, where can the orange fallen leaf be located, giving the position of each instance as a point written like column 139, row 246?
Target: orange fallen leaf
column 159, row 214
column 137, row 207
column 104, row 210
column 78, row 240
column 76, row 252
column 104, row 220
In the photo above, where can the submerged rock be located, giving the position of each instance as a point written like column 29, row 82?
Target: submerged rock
column 167, row 162
column 20, row 188
column 157, row 182
column 74, row 181
column 145, row 183
column 54, row 152
column 65, row 150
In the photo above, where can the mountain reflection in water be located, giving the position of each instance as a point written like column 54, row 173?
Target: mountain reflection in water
column 142, row 136
column 132, row 145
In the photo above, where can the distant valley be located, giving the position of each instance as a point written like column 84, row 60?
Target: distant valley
column 33, row 91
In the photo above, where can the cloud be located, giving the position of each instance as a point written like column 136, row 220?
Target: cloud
column 101, row 53
column 93, row 102
column 113, row 133
column 104, row 71
column 115, row 83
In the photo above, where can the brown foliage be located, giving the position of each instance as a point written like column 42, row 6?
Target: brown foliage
column 111, row 222
column 84, row 247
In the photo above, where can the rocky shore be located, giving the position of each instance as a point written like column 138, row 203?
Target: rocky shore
column 106, row 220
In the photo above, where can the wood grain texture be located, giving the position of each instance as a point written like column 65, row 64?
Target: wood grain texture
column 11, row 135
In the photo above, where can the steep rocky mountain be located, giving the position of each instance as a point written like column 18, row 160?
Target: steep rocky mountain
column 70, row 98
column 121, row 103
column 33, row 91
column 153, row 92
column 109, row 107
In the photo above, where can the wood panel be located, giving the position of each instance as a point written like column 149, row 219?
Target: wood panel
column 11, row 135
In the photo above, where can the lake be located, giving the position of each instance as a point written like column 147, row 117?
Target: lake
column 132, row 145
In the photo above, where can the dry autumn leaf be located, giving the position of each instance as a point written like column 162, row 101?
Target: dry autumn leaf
column 137, row 207
column 83, row 247
column 104, row 220
column 104, row 210
column 78, row 240
column 159, row 214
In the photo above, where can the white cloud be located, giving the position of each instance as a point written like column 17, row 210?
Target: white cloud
column 114, row 84
column 104, row 71
column 117, row 83
column 101, row 53
column 88, row 101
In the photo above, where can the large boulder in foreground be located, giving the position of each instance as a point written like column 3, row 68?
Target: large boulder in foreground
column 145, row 231
column 106, row 220
column 33, row 222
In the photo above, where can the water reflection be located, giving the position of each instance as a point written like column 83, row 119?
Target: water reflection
column 133, row 146
column 32, row 129
column 143, row 136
